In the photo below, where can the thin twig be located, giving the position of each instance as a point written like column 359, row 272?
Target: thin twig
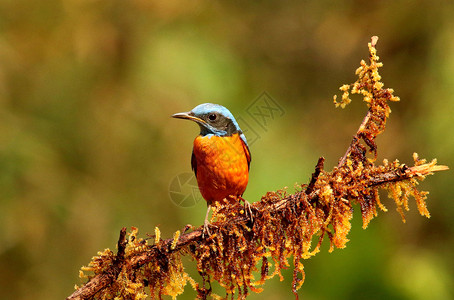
column 318, row 169
column 355, row 138
column 105, row 279
column 406, row 173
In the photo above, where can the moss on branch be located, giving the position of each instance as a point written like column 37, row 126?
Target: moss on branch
column 247, row 248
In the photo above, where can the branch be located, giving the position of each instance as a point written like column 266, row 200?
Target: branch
column 347, row 100
column 279, row 226
column 315, row 175
column 140, row 259
column 101, row 281
column 406, row 173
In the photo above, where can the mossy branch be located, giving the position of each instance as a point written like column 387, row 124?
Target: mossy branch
column 259, row 241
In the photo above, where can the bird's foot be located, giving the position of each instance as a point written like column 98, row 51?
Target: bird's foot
column 247, row 207
column 206, row 223
column 206, row 230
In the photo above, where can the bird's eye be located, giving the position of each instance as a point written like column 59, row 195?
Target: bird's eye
column 212, row 117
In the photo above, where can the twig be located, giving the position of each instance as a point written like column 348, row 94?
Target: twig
column 105, row 279
column 318, row 169
column 356, row 138
column 406, row 173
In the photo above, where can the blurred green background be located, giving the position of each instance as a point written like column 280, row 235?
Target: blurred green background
column 87, row 145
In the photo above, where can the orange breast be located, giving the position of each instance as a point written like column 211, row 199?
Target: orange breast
column 222, row 168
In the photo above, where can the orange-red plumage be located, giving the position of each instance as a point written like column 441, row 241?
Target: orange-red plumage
column 221, row 165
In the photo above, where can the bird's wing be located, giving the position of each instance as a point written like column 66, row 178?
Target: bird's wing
column 194, row 163
column 247, row 152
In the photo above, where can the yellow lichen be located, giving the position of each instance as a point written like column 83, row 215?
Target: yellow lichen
column 176, row 236
column 157, row 234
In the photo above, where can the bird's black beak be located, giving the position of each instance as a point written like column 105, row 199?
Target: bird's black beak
column 189, row 116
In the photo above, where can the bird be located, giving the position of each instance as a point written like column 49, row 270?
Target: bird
column 220, row 156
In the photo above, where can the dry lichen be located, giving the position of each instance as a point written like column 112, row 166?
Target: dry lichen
column 244, row 251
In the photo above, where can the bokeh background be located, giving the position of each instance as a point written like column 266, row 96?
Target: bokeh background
column 87, row 145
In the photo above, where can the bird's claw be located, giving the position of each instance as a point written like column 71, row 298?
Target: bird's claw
column 206, row 230
column 247, row 207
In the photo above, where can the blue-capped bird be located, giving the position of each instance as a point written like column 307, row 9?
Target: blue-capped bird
column 220, row 156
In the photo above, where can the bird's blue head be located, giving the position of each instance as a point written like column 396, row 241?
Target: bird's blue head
column 213, row 119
